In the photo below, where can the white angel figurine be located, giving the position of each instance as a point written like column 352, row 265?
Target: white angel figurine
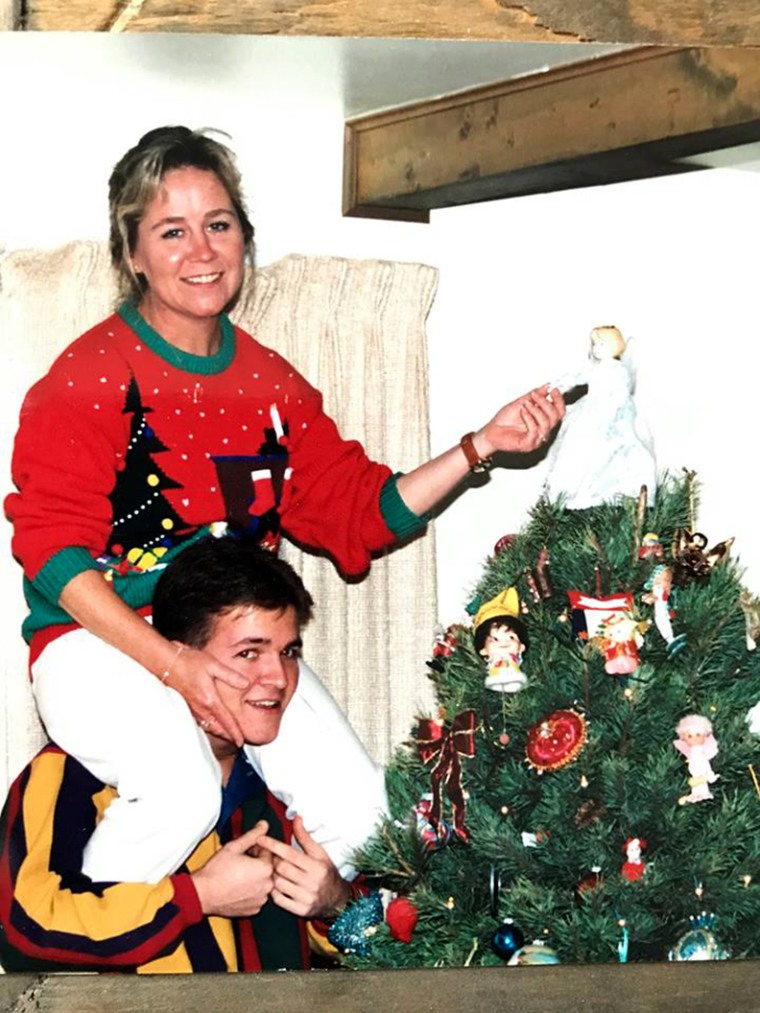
column 603, row 449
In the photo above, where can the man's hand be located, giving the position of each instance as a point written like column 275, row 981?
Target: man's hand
column 233, row 883
column 306, row 883
column 522, row 425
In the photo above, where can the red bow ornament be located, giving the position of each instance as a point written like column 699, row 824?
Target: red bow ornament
column 448, row 745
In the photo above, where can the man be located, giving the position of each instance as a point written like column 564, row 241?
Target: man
column 242, row 898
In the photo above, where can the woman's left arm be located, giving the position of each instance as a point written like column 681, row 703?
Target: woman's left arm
column 519, row 427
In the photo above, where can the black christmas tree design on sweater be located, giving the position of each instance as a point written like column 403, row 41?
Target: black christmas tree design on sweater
column 145, row 524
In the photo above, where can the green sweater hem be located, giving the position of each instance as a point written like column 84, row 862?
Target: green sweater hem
column 400, row 519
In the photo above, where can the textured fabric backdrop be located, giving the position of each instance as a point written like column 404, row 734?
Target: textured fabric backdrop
column 356, row 330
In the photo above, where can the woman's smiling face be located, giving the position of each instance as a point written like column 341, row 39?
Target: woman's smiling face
column 190, row 250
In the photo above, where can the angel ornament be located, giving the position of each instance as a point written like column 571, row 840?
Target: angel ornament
column 698, row 744
column 603, row 449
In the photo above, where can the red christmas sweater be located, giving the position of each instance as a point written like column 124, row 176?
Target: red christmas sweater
column 129, row 448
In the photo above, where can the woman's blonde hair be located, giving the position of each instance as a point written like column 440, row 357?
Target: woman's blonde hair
column 137, row 176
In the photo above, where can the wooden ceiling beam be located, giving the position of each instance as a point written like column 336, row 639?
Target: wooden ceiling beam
column 637, row 22
column 626, row 116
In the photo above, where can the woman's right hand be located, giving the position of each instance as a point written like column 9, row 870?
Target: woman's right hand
column 194, row 674
column 93, row 604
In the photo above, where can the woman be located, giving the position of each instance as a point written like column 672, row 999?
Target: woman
column 158, row 424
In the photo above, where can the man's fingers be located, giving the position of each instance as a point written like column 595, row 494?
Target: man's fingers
column 305, row 839
column 280, row 849
column 247, row 840
column 288, row 904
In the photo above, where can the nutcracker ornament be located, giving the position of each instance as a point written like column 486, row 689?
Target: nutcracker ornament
column 698, row 744
column 651, row 547
column 658, row 589
column 502, row 639
column 445, row 642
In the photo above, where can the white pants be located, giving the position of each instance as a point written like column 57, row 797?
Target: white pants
column 135, row 733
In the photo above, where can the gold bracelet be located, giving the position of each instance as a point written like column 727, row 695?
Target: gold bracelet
column 476, row 463
column 165, row 674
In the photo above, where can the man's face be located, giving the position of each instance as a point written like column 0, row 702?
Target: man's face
column 264, row 647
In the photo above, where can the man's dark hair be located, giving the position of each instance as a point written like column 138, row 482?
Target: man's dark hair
column 216, row 576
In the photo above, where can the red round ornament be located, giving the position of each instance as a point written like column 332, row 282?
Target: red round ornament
column 556, row 740
column 504, row 544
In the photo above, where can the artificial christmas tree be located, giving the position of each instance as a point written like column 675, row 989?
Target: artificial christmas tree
column 555, row 819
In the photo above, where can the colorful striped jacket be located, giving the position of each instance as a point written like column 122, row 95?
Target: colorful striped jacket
column 52, row 917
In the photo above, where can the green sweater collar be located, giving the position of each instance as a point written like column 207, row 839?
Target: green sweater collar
column 203, row 364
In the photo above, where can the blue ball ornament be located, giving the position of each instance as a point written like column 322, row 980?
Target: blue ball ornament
column 507, row 939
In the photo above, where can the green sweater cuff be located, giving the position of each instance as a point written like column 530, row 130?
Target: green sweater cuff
column 400, row 519
column 60, row 569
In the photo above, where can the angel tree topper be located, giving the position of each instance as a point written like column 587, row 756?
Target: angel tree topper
column 603, row 449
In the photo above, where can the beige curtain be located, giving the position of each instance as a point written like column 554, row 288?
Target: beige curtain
column 356, row 331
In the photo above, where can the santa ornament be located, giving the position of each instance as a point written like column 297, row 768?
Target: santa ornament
column 608, row 622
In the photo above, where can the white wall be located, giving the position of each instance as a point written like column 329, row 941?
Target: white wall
column 670, row 261
column 522, row 281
